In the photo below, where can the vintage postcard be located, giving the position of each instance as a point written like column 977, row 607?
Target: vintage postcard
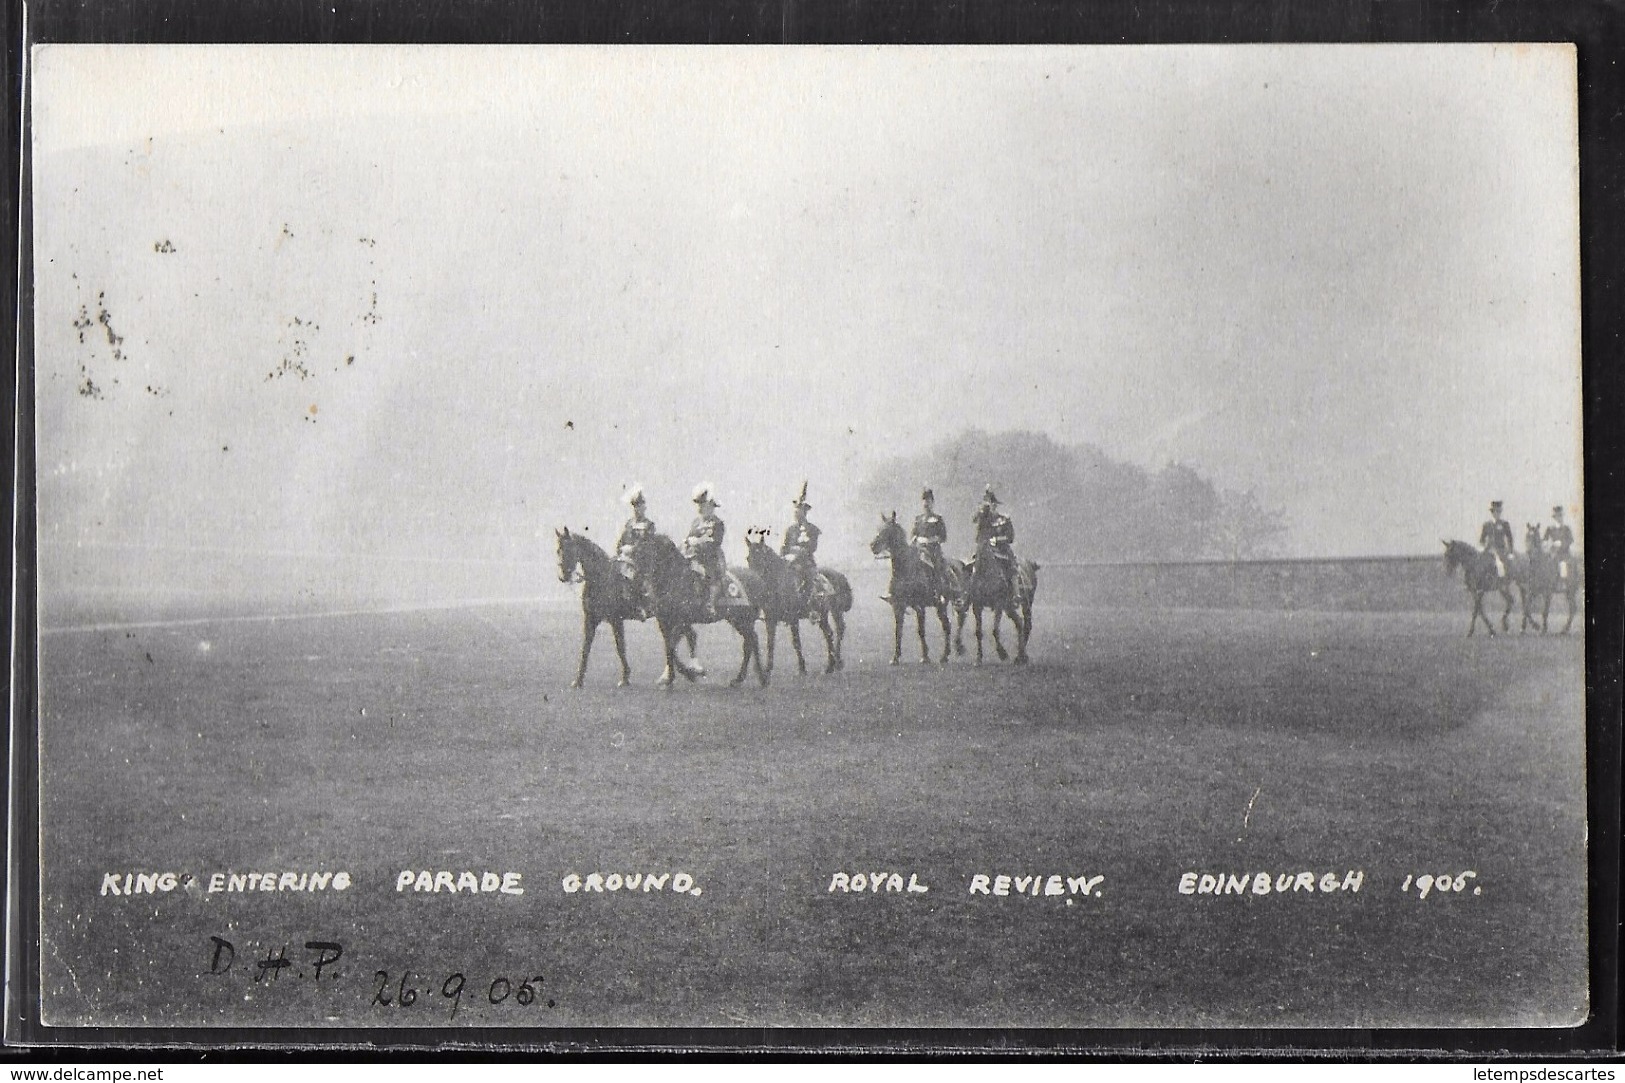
column 1058, row 537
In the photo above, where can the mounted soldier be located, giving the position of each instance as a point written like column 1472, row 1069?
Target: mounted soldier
column 637, row 530
column 1561, row 537
column 929, row 534
column 799, row 546
column 703, row 546
column 996, row 529
column 1496, row 538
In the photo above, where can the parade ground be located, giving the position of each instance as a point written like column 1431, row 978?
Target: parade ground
column 1169, row 818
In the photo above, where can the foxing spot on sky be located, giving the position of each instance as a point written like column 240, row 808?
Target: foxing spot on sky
column 430, row 303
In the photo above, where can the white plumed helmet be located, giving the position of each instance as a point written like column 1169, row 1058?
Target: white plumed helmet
column 633, row 495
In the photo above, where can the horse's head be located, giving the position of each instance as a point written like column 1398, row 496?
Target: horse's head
column 1457, row 554
column 890, row 540
column 757, row 551
column 1531, row 537
column 569, row 555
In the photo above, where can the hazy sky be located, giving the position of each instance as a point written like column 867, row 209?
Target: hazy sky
column 433, row 301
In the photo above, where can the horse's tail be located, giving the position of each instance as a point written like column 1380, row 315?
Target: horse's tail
column 1027, row 581
column 842, row 602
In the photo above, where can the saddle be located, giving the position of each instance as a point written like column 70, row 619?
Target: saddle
column 730, row 596
column 733, row 593
column 820, row 588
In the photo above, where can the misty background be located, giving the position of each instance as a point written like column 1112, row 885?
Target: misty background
column 334, row 326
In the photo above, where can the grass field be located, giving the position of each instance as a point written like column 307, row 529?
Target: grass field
column 1138, row 747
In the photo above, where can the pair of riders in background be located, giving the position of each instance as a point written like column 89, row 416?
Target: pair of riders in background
column 703, row 545
column 930, row 533
column 1496, row 538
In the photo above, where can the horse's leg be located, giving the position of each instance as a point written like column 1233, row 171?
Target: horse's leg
column 772, row 637
column 619, row 629
column 750, row 649
column 589, row 629
column 830, row 649
column 897, row 634
column 998, row 644
column 749, row 632
column 1523, row 597
column 695, row 667
column 978, row 634
column 1569, row 598
column 1015, row 623
column 669, row 675
column 795, row 641
column 840, row 639
column 947, row 630
column 1506, row 619
column 959, row 629
column 744, row 657
column 1024, row 630
column 919, row 624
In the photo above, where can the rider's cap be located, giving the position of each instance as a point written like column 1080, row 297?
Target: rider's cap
column 1495, row 505
column 988, row 497
column 634, row 495
column 1558, row 511
column 705, row 491
column 928, row 495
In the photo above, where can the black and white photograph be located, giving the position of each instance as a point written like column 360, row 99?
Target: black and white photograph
column 869, row 537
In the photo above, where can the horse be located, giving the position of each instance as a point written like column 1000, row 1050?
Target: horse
column 911, row 587
column 831, row 601
column 1479, row 573
column 676, row 590
column 606, row 596
column 988, row 588
column 1544, row 577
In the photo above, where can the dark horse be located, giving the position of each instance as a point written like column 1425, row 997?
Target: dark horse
column 911, row 587
column 606, row 596
column 989, row 588
column 679, row 605
column 1481, row 576
column 1544, row 576
column 831, row 601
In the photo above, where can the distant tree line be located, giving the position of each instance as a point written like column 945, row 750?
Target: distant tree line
column 1075, row 503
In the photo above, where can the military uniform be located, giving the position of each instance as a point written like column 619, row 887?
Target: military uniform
column 704, row 544
column 1496, row 538
column 798, row 548
column 637, row 530
column 929, row 534
column 997, row 528
column 1561, row 537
